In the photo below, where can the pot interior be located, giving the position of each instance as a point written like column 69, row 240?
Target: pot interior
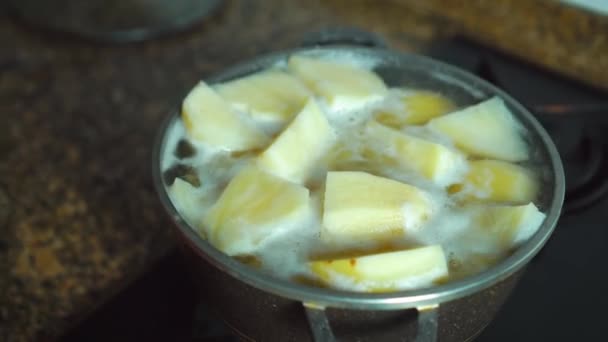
column 403, row 70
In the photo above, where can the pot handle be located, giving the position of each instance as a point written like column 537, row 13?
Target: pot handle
column 343, row 36
column 321, row 329
column 428, row 323
column 319, row 324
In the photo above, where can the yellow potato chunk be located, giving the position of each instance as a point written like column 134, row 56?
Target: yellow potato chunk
column 342, row 85
column 255, row 207
column 498, row 181
column 208, row 118
column 432, row 161
column 362, row 207
column 414, row 108
column 271, row 95
column 391, row 271
column 487, row 130
column 508, row 226
column 300, row 146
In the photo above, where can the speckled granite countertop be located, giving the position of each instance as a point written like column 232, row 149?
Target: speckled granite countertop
column 78, row 215
column 567, row 40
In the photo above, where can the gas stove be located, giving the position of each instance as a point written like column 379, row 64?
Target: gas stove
column 563, row 291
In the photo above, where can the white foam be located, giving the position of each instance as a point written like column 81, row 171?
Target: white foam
column 352, row 58
column 284, row 254
column 412, row 217
column 187, row 200
column 348, row 116
column 443, row 229
column 174, row 133
column 531, row 223
column 266, row 240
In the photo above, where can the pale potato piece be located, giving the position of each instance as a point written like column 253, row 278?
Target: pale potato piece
column 342, row 85
column 300, row 146
column 414, row 108
column 391, row 271
column 435, row 162
column 208, row 118
column 254, row 208
column 498, row 181
column 487, row 129
column 362, row 207
column 508, row 226
column 272, row 95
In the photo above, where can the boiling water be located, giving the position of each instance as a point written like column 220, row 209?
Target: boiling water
column 287, row 250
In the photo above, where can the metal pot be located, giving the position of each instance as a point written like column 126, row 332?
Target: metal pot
column 263, row 308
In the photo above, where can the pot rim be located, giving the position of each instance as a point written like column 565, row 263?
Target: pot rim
column 376, row 301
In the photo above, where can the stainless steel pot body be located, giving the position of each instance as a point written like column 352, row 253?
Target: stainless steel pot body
column 257, row 315
column 264, row 308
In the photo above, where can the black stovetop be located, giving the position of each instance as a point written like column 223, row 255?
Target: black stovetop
column 562, row 295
